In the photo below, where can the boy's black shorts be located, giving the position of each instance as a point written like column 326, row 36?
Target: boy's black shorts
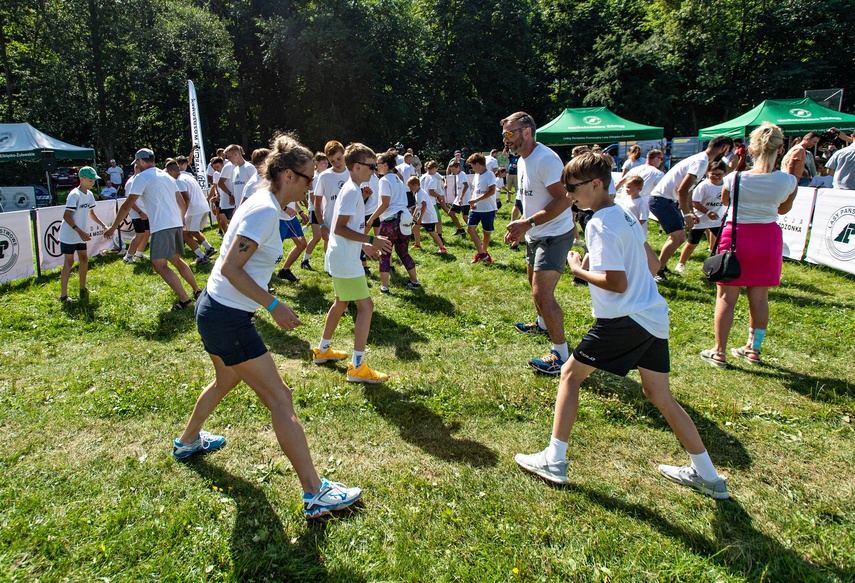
column 618, row 345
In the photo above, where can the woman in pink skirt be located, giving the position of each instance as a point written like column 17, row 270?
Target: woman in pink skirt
column 764, row 193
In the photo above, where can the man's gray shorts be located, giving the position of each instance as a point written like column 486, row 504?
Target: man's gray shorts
column 167, row 243
column 549, row 253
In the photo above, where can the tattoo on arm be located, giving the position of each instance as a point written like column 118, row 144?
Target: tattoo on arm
column 243, row 244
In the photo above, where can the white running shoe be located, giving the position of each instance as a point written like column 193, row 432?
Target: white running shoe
column 331, row 496
column 555, row 472
column 688, row 476
column 681, row 268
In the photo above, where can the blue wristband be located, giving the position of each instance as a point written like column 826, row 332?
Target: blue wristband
column 272, row 305
column 323, row 225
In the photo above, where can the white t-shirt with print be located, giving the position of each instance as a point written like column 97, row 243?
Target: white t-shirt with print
column 630, row 164
column 393, row 189
column 79, row 203
column 491, row 163
column 429, row 217
column 115, row 173
column 458, row 180
column 709, row 195
column 328, row 185
column 695, row 165
column 227, row 201
column 240, row 177
column 373, row 201
column 615, row 242
column 651, row 176
column 481, row 185
column 251, row 185
column 342, row 256
column 257, row 219
column 406, row 170
column 638, row 208
column 157, row 190
column 132, row 214
column 542, row 168
column 760, row 195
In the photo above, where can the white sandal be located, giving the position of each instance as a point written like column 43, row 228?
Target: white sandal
column 714, row 358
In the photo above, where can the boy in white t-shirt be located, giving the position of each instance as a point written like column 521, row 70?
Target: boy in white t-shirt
column 634, row 203
column 631, row 330
column 425, row 216
column 346, row 239
column 73, row 232
column 483, row 207
column 706, row 203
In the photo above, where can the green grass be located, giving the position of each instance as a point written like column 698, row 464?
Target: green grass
column 92, row 394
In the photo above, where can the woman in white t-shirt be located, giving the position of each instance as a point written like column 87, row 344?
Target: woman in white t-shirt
column 633, row 159
column 225, row 319
column 393, row 202
column 764, row 193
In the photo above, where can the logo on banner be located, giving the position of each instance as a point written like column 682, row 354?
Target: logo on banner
column 51, row 239
column 592, row 120
column 798, row 112
column 8, row 249
column 127, row 225
column 4, row 136
column 840, row 233
column 22, row 201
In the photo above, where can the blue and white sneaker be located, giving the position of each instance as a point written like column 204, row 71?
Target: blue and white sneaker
column 204, row 443
column 331, row 496
column 536, row 463
column 549, row 364
column 533, row 328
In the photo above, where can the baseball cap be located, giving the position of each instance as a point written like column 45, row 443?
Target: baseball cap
column 88, row 172
column 144, row 154
column 457, row 152
column 406, row 224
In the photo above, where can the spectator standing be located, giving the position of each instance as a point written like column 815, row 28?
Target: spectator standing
column 843, row 164
column 764, row 192
column 116, row 174
column 795, row 161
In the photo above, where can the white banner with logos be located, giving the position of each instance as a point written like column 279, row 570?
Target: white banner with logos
column 17, row 198
column 795, row 224
column 49, row 220
column 199, row 160
column 16, row 246
column 832, row 236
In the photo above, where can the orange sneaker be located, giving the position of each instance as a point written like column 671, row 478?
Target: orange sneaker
column 364, row 374
column 329, row 355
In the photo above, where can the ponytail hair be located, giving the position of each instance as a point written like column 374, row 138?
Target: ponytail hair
column 634, row 153
column 286, row 153
column 764, row 145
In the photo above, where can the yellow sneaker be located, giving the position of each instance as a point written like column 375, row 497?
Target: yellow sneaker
column 364, row 374
column 329, row 355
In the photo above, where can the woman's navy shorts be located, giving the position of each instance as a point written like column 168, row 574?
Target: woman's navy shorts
column 227, row 332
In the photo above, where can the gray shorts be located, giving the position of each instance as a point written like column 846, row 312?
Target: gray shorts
column 166, row 244
column 549, row 253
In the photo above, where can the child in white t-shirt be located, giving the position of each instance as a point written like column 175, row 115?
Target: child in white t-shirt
column 706, row 203
column 74, row 232
column 634, row 203
column 631, row 330
column 342, row 262
column 425, row 215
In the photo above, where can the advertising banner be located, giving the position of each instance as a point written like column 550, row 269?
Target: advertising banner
column 49, row 220
column 832, row 236
column 16, row 246
column 795, row 223
column 17, row 198
column 199, row 159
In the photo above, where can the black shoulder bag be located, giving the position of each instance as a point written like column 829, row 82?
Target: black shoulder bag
column 724, row 267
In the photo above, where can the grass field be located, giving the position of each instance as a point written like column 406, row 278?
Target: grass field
column 92, row 394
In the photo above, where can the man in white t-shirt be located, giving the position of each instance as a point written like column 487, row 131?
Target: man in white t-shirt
column 233, row 178
column 209, row 171
column 649, row 172
column 406, row 169
column 462, row 193
column 491, row 162
column 115, row 173
column 548, row 230
column 328, row 185
column 195, row 215
column 671, row 200
column 159, row 192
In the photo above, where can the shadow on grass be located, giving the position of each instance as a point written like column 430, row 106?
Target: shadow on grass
column 309, row 298
column 736, row 545
column 387, row 332
column 419, row 425
column 285, row 342
column 260, row 548
column 724, row 448
column 813, row 301
column 817, row 388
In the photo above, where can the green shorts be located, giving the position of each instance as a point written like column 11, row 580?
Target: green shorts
column 350, row 289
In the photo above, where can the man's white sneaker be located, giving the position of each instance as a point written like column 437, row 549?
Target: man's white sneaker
column 331, row 496
column 688, row 476
column 536, row 463
column 681, row 268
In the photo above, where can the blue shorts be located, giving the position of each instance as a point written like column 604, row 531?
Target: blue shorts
column 485, row 218
column 668, row 214
column 290, row 229
column 227, row 332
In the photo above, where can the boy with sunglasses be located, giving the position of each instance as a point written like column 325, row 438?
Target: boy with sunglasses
column 631, row 330
column 342, row 262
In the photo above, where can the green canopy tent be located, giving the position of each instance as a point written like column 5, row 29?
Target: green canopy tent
column 21, row 141
column 794, row 116
column 587, row 125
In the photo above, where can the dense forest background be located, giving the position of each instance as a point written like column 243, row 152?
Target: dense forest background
column 433, row 74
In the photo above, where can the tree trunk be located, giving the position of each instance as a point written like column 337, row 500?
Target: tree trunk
column 7, row 72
